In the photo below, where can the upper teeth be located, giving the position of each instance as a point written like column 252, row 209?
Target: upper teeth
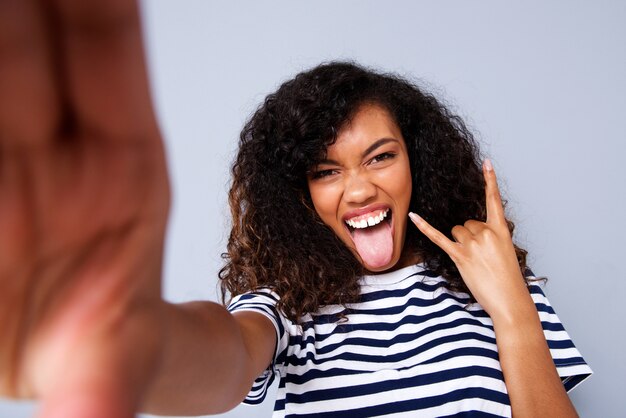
column 369, row 221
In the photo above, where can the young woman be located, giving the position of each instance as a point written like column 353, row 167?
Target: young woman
column 375, row 314
column 358, row 310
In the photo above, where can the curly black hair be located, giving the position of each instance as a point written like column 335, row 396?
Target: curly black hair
column 278, row 240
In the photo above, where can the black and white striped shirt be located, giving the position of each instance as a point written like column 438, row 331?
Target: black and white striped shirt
column 409, row 348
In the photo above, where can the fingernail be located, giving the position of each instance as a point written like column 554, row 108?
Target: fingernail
column 488, row 165
column 415, row 217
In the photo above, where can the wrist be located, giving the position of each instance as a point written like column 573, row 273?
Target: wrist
column 518, row 322
column 511, row 304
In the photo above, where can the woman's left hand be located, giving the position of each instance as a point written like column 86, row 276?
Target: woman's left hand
column 484, row 254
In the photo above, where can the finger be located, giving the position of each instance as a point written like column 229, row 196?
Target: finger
column 105, row 68
column 29, row 100
column 91, row 383
column 495, row 210
column 443, row 242
column 461, row 234
column 84, row 362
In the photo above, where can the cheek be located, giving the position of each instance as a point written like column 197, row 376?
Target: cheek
column 324, row 202
column 407, row 183
column 408, row 189
column 400, row 186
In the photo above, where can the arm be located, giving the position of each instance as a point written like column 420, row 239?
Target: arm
column 485, row 256
column 531, row 378
column 210, row 359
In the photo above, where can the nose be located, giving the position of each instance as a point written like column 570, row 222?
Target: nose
column 358, row 189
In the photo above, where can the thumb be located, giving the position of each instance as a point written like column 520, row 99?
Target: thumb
column 103, row 373
column 82, row 398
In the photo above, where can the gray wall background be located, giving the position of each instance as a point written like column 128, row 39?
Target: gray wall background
column 543, row 84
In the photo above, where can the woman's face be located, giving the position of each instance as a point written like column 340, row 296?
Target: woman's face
column 362, row 189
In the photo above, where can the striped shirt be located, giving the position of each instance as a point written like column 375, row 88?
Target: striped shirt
column 409, row 347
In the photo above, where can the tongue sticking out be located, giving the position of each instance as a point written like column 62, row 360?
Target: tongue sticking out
column 374, row 244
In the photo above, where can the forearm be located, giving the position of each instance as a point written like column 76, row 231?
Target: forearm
column 204, row 365
column 534, row 386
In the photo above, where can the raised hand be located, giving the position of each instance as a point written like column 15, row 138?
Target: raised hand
column 485, row 256
column 83, row 206
column 484, row 253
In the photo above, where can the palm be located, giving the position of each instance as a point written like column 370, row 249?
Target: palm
column 83, row 202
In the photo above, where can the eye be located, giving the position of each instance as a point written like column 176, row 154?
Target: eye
column 382, row 157
column 321, row 174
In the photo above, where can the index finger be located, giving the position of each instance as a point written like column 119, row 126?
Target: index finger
column 495, row 210
column 29, row 100
column 104, row 67
column 436, row 236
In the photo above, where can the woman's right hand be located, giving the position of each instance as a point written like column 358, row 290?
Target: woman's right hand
column 84, row 199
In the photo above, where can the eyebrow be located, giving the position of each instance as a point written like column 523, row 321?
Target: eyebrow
column 379, row 143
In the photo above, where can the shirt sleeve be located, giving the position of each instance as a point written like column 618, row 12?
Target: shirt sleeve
column 570, row 365
column 264, row 302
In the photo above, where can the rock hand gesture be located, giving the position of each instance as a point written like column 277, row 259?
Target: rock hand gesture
column 485, row 256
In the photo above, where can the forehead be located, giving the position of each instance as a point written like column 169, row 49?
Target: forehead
column 369, row 123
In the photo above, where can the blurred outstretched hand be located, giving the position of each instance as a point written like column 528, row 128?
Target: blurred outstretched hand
column 83, row 205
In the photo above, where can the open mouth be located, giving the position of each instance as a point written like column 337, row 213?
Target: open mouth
column 372, row 235
column 372, row 219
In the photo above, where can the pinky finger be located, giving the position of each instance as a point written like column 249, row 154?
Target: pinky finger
column 443, row 242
